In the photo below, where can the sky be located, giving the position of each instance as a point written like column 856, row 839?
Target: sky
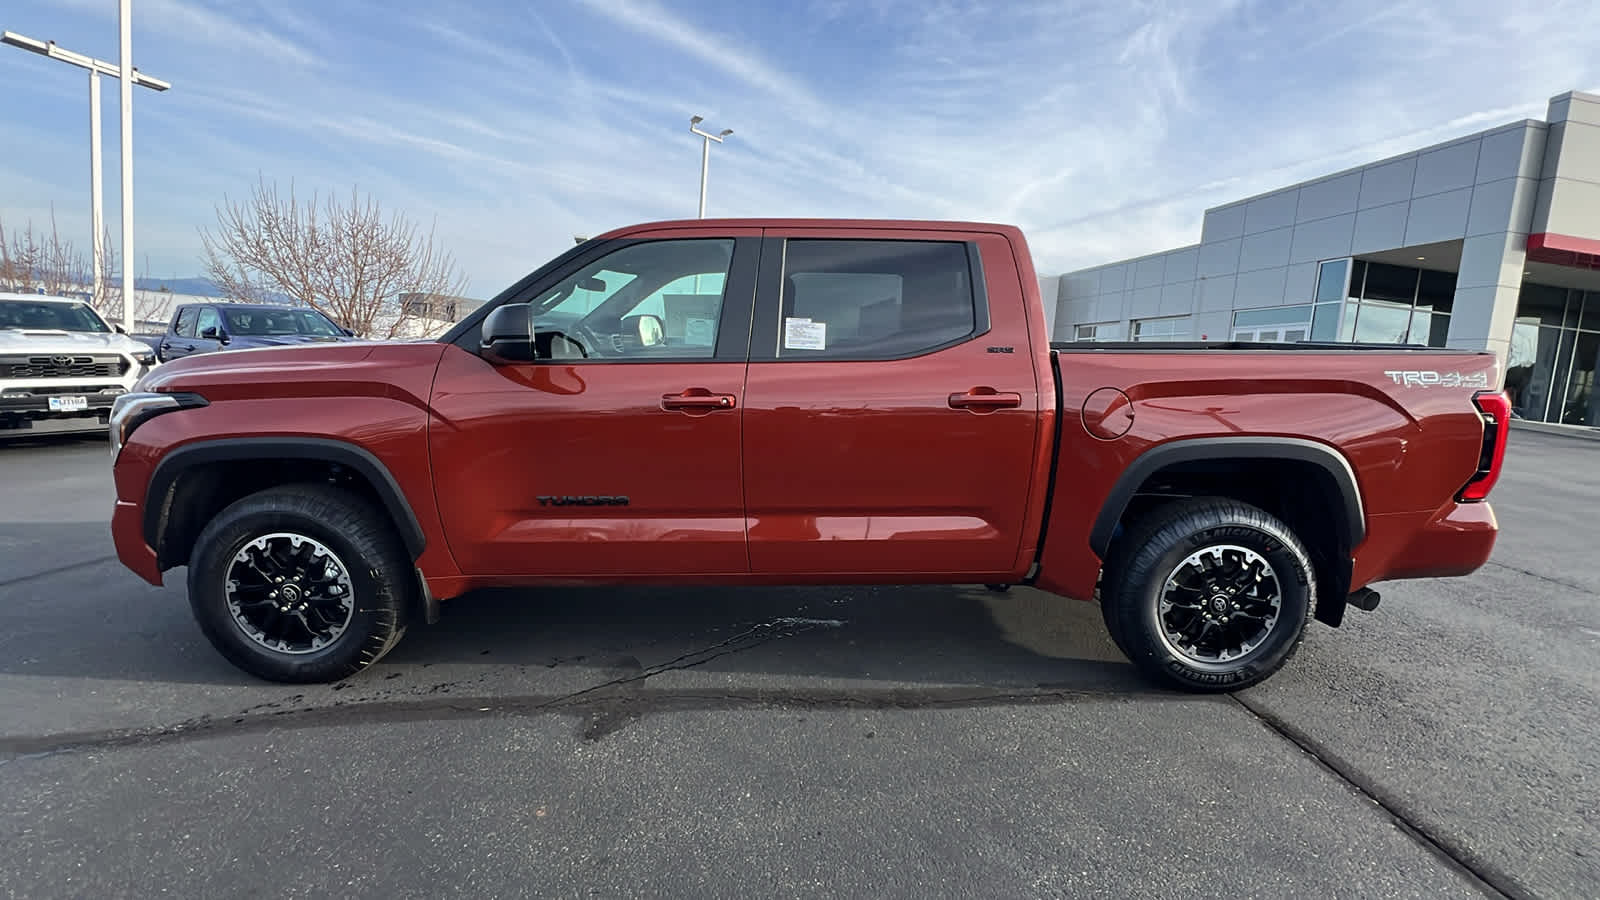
column 1104, row 129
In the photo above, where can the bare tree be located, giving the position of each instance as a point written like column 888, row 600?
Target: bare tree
column 42, row 261
column 33, row 262
column 348, row 261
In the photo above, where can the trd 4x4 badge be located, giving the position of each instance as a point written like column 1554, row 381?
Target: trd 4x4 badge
column 583, row 501
column 1437, row 379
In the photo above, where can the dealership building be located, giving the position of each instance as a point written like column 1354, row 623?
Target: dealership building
column 1490, row 241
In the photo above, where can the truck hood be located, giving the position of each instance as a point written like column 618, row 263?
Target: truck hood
column 261, row 360
column 288, row 340
column 40, row 341
column 342, row 368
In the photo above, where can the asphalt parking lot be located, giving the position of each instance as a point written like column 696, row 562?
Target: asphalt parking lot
column 819, row 742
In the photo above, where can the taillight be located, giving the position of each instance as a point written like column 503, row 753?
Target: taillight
column 1494, row 407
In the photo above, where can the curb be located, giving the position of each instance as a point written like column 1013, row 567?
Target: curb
column 1578, row 432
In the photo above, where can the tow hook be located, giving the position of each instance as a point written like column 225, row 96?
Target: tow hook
column 1366, row 599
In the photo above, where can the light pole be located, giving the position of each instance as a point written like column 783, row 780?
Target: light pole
column 125, row 119
column 96, row 68
column 705, row 154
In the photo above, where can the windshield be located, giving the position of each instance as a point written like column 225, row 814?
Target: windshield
column 43, row 316
column 279, row 321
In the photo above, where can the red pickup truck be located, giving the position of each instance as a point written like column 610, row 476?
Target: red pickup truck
column 803, row 402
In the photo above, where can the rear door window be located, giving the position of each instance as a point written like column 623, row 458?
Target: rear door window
column 874, row 299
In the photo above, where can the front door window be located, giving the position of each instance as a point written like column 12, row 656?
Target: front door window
column 658, row 300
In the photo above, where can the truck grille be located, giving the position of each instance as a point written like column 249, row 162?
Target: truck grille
column 65, row 366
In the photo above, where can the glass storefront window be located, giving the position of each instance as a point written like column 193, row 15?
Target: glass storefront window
column 1530, row 368
column 1330, row 280
column 1383, row 323
column 1579, row 407
column 1175, row 328
column 1541, row 304
column 1358, row 276
column 1421, row 327
column 1325, row 321
column 1394, row 283
column 1589, row 318
column 1555, row 345
column 1276, row 315
column 1436, row 291
column 1392, row 304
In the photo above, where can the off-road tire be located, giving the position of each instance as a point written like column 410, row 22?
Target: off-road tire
column 365, row 541
column 1155, row 545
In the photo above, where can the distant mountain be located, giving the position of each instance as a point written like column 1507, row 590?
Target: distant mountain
column 198, row 286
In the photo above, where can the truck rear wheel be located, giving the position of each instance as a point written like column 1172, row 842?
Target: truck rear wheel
column 1208, row 594
column 300, row 583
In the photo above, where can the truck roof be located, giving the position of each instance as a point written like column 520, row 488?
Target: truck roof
column 38, row 298
column 220, row 301
column 878, row 224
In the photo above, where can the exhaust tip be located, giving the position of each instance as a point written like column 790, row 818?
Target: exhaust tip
column 1366, row 599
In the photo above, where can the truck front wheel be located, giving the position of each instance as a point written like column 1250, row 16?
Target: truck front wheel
column 1208, row 594
column 300, row 583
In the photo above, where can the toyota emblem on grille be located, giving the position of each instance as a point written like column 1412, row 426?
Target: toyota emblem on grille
column 61, row 360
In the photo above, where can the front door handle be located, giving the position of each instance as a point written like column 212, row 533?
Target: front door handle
column 697, row 400
column 984, row 399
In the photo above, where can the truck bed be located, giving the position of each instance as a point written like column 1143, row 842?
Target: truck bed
column 1247, row 346
column 1398, row 418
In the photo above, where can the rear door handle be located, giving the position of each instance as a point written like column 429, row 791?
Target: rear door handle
column 697, row 400
column 984, row 399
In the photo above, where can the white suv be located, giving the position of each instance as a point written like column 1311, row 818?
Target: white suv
column 61, row 365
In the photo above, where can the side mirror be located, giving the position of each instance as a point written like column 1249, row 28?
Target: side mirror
column 120, row 329
column 348, row 332
column 647, row 328
column 508, row 335
column 211, row 334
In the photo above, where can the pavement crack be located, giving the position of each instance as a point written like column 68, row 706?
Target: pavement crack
column 1486, row 876
column 611, row 706
column 749, row 639
column 1544, row 578
column 35, row 576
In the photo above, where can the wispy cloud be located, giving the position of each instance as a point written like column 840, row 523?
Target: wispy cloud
column 705, row 45
column 1103, row 127
column 198, row 25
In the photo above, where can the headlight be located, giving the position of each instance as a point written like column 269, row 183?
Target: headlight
column 144, row 357
column 131, row 410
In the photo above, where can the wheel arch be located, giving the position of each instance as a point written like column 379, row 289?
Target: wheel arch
column 200, row 467
column 1331, row 538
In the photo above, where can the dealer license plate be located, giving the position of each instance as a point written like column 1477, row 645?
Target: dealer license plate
column 68, row 404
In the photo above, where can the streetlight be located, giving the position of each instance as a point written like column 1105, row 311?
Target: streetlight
column 97, row 68
column 705, row 154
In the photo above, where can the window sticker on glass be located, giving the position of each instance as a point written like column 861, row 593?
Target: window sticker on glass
column 804, row 334
column 698, row 332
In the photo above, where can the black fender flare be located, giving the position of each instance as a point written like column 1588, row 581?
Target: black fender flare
column 1191, row 449
column 356, row 458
